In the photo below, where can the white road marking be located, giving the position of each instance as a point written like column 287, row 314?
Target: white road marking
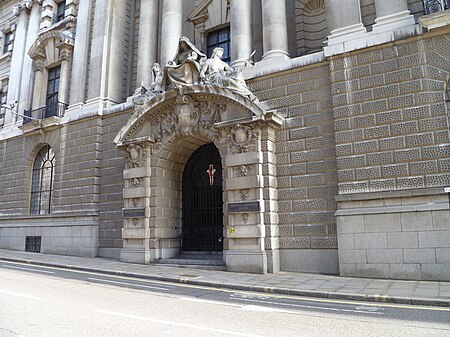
column 311, row 307
column 19, row 295
column 127, row 283
column 198, row 300
column 184, row 325
column 28, row 269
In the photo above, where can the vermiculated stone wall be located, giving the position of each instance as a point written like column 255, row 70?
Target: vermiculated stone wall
column 306, row 167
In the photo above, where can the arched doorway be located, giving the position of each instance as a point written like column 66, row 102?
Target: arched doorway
column 202, row 201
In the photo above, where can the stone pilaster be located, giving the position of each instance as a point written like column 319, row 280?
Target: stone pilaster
column 148, row 41
column 65, row 55
column 27, row 68
column 392, row 15
column 275, row 40
column 105, row 85
column 81, row 53
column 171, row 29
column 244, row 185
column 136, row 212
column 241, row 31
column 346, row 21
column 39, row 89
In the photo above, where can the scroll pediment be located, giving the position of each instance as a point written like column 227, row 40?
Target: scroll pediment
column 196, row 110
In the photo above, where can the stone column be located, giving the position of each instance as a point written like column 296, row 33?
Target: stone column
column 275, row 39
column 18, row 55
column 392, row 15
column 345, row 21
column 171, row 28
column 241, row 31
column 26, row 87
column 148, row 41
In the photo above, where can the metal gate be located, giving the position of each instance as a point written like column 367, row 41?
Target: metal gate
column 202, row 201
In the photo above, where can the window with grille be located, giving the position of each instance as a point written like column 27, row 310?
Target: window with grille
column 8, row 44
column 42, row 181
column 51, row 100
column 60, row 11
column 220, row 38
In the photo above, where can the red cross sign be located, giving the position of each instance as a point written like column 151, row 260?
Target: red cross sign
column 211, row 172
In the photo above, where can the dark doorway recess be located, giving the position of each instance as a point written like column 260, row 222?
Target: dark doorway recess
column 202, row 201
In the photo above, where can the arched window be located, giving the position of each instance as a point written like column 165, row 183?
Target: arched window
column 42, row 183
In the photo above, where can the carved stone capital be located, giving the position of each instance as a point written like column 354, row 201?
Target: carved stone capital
column 38, row 66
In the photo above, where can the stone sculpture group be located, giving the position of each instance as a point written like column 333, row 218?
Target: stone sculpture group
column 192, row 67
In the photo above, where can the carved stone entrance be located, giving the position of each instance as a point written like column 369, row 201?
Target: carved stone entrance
column 158, row 140
column 202, row 228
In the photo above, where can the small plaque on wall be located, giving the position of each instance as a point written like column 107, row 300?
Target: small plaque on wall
column 239, row 207
column 133, row 212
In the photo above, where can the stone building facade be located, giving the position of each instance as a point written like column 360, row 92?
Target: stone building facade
column 336, row 163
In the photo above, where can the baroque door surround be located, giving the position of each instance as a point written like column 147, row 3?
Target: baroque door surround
column 160, row 136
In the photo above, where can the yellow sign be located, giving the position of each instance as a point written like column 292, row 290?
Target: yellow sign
column 232, row 230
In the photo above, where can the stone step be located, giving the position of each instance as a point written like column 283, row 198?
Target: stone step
column 192, row 266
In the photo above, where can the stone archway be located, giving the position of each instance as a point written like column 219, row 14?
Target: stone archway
column 161, row 135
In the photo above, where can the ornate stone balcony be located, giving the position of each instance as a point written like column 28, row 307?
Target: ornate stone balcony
column 437, row 14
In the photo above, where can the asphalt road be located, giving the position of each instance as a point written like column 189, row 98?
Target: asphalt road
column 44, row 301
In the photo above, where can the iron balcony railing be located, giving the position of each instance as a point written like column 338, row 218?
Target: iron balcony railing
column 434, row 6
column 50, row 110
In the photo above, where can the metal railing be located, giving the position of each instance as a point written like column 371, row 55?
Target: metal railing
column 50, row 110
column 434, row 6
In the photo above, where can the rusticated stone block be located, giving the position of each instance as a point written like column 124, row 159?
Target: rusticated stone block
column 410, row 182
column 303, row 109
column 374, row 106
column 434, row 123
column 286, row 79
column 405, row 127
column 360, row 96
column 310, row 230
column 382, row 185
column 380, row 158
column 295, row 243
column 372, row 81
column 392, row 143
column 438, row 180
column 386, row 91
column 407, row 155
column 324, row 243
column 354, row 187
column 389, row 116
column 423, row 167
column 368, row 173
column 384, row 67
column 347, row 111
column 439, row 151
column 357, row 72
column 361, row 121
column 378, row 131
column 401, row 101
column 430, row 97
column 366, row 146
column 351, row 161
column 398, row 76
column 410, row 87
column 420, row 139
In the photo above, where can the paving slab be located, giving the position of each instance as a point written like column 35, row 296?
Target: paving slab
column 289, row 283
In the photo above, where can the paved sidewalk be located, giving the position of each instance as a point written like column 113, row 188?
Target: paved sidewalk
column 298, row 284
